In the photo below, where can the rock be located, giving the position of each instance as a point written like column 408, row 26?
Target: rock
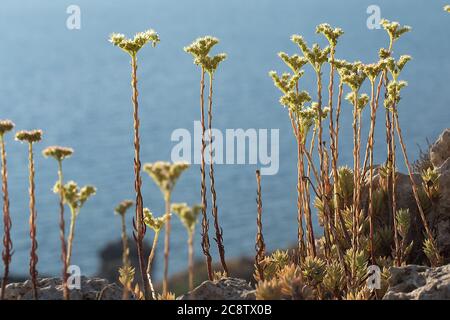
column 51, row 289
column 440, row 150
column 419, row 283
column 224, row 289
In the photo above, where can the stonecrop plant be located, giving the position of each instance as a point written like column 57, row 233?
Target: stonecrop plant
column 132, row 47
column 189, row 217
column 200, row 50
column 5, row 127
column 31, row 137
column 166, row 175
column 60, row 154
column 357, row 208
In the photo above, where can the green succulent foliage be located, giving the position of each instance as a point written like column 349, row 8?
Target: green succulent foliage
column 165, row 174
column 332, row 34
column 188, row 215
column 313, row 270
column 359, row 264
column 274, row 263
column 74, row 196
column 333, row 280
column 432, row 252
column 315, row 55
column 361, row 101
column 393, row 97
column 394, row 29
column 430, row 183
column 132, row 46
column 126, row 275
column 154, row 223
column 294, row 62
column 345, row 183
column 403, row 222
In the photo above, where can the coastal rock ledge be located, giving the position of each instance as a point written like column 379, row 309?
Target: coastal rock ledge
column 51, row 289
column 419, row 283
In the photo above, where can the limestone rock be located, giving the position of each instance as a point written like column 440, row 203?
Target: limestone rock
column 440, row 150
column 224, row 289
column 419, row 283
column 51, row 289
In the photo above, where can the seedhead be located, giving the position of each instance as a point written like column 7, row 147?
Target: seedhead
column 29, row 136
column 132, row 46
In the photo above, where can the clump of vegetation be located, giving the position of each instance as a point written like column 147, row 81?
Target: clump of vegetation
column 200, row 50
column 5, row 126
column 189, row 217
column 166, row 175
column 32, row 137
column 132, row 47
column 126, row 272
column 75, row 198
column 156, row 224
column 59, row 154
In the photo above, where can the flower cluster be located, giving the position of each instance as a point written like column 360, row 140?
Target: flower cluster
column 188, row 215
column 57, row 152
column 6, row 126
column 332, row 34
column 394, row 29
column 132, row 46
column 294, row 62
column 123, row 207
column 200, row 49
column 74, row 196
column 165, row 174
column 315, row 55
column 29, row 136
column 155, row 223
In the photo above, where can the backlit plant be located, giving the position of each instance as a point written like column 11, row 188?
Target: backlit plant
column 166, row 175
column 32, row 137
column 126, row 272
column 189, row 217
column 156, row 224
column 75, row 198
column 132, row 47
column 59, row 154
column 5, row 126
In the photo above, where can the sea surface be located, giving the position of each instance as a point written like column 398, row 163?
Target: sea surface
column 75, row 86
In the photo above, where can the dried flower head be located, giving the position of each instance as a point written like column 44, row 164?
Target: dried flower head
column 123, row 207
column 394, row 29
column 294, row 62
column 57, row 152
column 165, row 174
column 315, row 55
column 132, row 46
column 74, row 196
column 200, row 47
column 188, row 215
column 29, row 136
column 332, row 34
column 155, row 223
column 6, row 126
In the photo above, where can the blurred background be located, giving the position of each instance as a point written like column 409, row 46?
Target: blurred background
column 75, row 86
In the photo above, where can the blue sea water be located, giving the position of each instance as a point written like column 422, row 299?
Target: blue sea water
column 75, row 86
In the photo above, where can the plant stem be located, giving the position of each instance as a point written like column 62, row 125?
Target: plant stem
column 191, row 259
column 149, row 264
column 139, row 216
column 394, row 197
column 167, row 198
column 62, row 232
column 260, row 246
column 218, row 229
column 73, row 216
column 125, row 254
column 32, row 222
column 205, row 221
column 7, row 243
